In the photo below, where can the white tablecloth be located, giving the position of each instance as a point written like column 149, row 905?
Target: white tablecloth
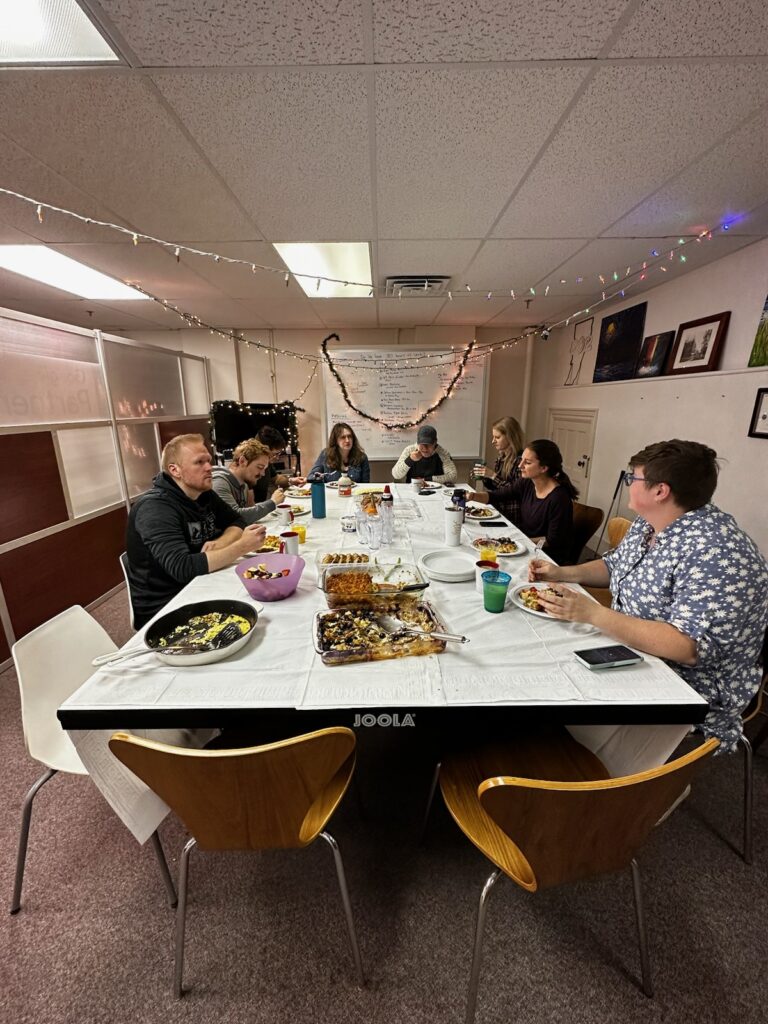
column 512, row 658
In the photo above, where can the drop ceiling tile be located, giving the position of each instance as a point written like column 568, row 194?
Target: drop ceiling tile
column 109, row 134
column 683, row 28
column 720, row 188
column 453, row 143
column 541, row 310
column 290, row 311
column 632, row 129
column 517, row 263
column 446, row 257
column 240, row 32
column 409, row 312
column 293, row 146
column 470, row 309
column 338, row 313
column 457, row 30
column 11, row 236
column 235, row 280
column 21, row 172
column 753, row 223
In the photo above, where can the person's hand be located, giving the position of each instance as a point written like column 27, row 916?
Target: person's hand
column 278, row 495
column 479, row 496
column 252, row 538
column 567, row 604
column 542, row 570
column 415, row 455
column 297, row 481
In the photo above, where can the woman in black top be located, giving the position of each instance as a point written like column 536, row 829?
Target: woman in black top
column 546, row 498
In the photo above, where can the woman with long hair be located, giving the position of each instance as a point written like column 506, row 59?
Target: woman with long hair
column 498, row 490
column 342, row 456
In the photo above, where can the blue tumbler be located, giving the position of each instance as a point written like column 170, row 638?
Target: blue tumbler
column 318, row 496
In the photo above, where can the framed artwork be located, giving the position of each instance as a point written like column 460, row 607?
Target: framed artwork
column 698, row 344
column 582, row 342
column 759, row 425
column 759, row 354
column 620, row 337
column 653, row 354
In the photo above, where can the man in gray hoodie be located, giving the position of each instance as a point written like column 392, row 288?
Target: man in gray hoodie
column 250, row 461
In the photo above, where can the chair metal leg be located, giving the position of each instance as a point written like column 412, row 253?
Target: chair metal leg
column 477, row 954
column 26, row 818
column 430, row 801
column 347, row 905
column 181, row 917
column 162, row 863
column 747, row 852
column 645, row 960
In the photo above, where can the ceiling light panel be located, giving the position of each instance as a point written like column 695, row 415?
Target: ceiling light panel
column 49, row 31
column 343, row 262
column 59, row 271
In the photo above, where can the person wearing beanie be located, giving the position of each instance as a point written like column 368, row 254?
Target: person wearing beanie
column 425, row 460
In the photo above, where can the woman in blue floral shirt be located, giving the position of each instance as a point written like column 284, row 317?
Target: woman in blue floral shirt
column 688, row 585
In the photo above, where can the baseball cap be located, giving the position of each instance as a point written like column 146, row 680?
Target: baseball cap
column 426, row 435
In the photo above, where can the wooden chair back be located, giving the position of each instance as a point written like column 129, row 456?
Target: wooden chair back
column 275, row 796
column 617, row 530
column 586, row 522
column 566, row 831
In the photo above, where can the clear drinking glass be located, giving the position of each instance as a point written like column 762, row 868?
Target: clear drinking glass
column 375, row 530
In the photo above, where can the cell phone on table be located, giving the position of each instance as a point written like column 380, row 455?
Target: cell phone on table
column 613, row 656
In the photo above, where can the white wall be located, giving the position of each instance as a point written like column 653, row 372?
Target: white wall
column 506, row 373
column 714, row 408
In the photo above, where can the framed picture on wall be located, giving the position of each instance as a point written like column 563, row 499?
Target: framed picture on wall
column 653, row 354
column 759, row 354
column 759, row 425
column 698, row 344
column 619, row 345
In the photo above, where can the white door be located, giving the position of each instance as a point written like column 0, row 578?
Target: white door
column 573, row 431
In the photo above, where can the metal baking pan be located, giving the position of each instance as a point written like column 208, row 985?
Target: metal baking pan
column 400, row 646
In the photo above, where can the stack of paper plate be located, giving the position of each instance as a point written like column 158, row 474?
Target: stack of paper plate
column 449, row 565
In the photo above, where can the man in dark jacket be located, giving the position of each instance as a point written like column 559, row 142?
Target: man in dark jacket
column 181, row 529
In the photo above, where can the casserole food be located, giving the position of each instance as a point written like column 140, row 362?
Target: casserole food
column 355, row 634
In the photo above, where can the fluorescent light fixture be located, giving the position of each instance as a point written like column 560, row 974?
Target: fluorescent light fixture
column 344, row 261
column 59, row 271
column 49, row 31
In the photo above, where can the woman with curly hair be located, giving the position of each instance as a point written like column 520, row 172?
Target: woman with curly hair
column 343, row 455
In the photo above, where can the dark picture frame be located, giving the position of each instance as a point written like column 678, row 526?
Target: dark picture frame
column 758, row 427
column 698, row 345
column 653, row 354
column 621, row 335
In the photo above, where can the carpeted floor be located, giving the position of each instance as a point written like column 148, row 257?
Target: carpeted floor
column 266, row 939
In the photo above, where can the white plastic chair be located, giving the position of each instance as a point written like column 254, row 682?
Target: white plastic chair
column 51, row 663
column 124, row 567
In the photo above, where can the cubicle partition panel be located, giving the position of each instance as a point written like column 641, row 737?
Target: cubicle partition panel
column 83, row 418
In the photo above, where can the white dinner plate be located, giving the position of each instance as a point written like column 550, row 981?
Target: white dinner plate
column 516, row 600
column 292, row 492
column 296, row 512
column 482, row 519
column 521, row 548
column 449, row 565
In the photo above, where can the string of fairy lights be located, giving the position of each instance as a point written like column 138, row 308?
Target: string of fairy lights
column 613, row 285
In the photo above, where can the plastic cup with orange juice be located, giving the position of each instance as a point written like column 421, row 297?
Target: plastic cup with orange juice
column 301, row 529
column 487, row 554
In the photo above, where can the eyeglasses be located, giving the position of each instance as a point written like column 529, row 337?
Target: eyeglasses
column 629, row 478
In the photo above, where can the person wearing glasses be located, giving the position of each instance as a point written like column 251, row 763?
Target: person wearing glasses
column 342, row 456
column 688, row 586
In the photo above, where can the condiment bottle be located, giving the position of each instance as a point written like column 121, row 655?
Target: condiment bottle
column 387, row 513
column 345, row 486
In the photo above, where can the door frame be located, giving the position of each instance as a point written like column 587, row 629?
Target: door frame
column 589, row 418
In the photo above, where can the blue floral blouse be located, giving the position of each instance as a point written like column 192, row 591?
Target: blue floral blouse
column 707, row 578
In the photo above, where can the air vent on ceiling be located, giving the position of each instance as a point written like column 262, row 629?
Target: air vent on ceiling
column 416, row 284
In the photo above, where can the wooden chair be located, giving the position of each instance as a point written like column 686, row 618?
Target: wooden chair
column 754, row 711
column 277, row 796
column 542, row 833
column 586, row 522
column 616, row 530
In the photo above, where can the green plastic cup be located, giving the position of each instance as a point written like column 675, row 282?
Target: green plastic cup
column 495, row 586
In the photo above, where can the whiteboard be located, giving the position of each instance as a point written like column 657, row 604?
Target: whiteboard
column 403, row 394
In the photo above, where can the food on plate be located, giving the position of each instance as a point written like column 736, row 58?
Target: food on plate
column 271, row 543
column 202, row 630
column 480, row 512
column 503, row 545
column 344, row 558
column 334, row 484
column 370, row 503
column 358, row 634
column 530, row 597
column 261, row 572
